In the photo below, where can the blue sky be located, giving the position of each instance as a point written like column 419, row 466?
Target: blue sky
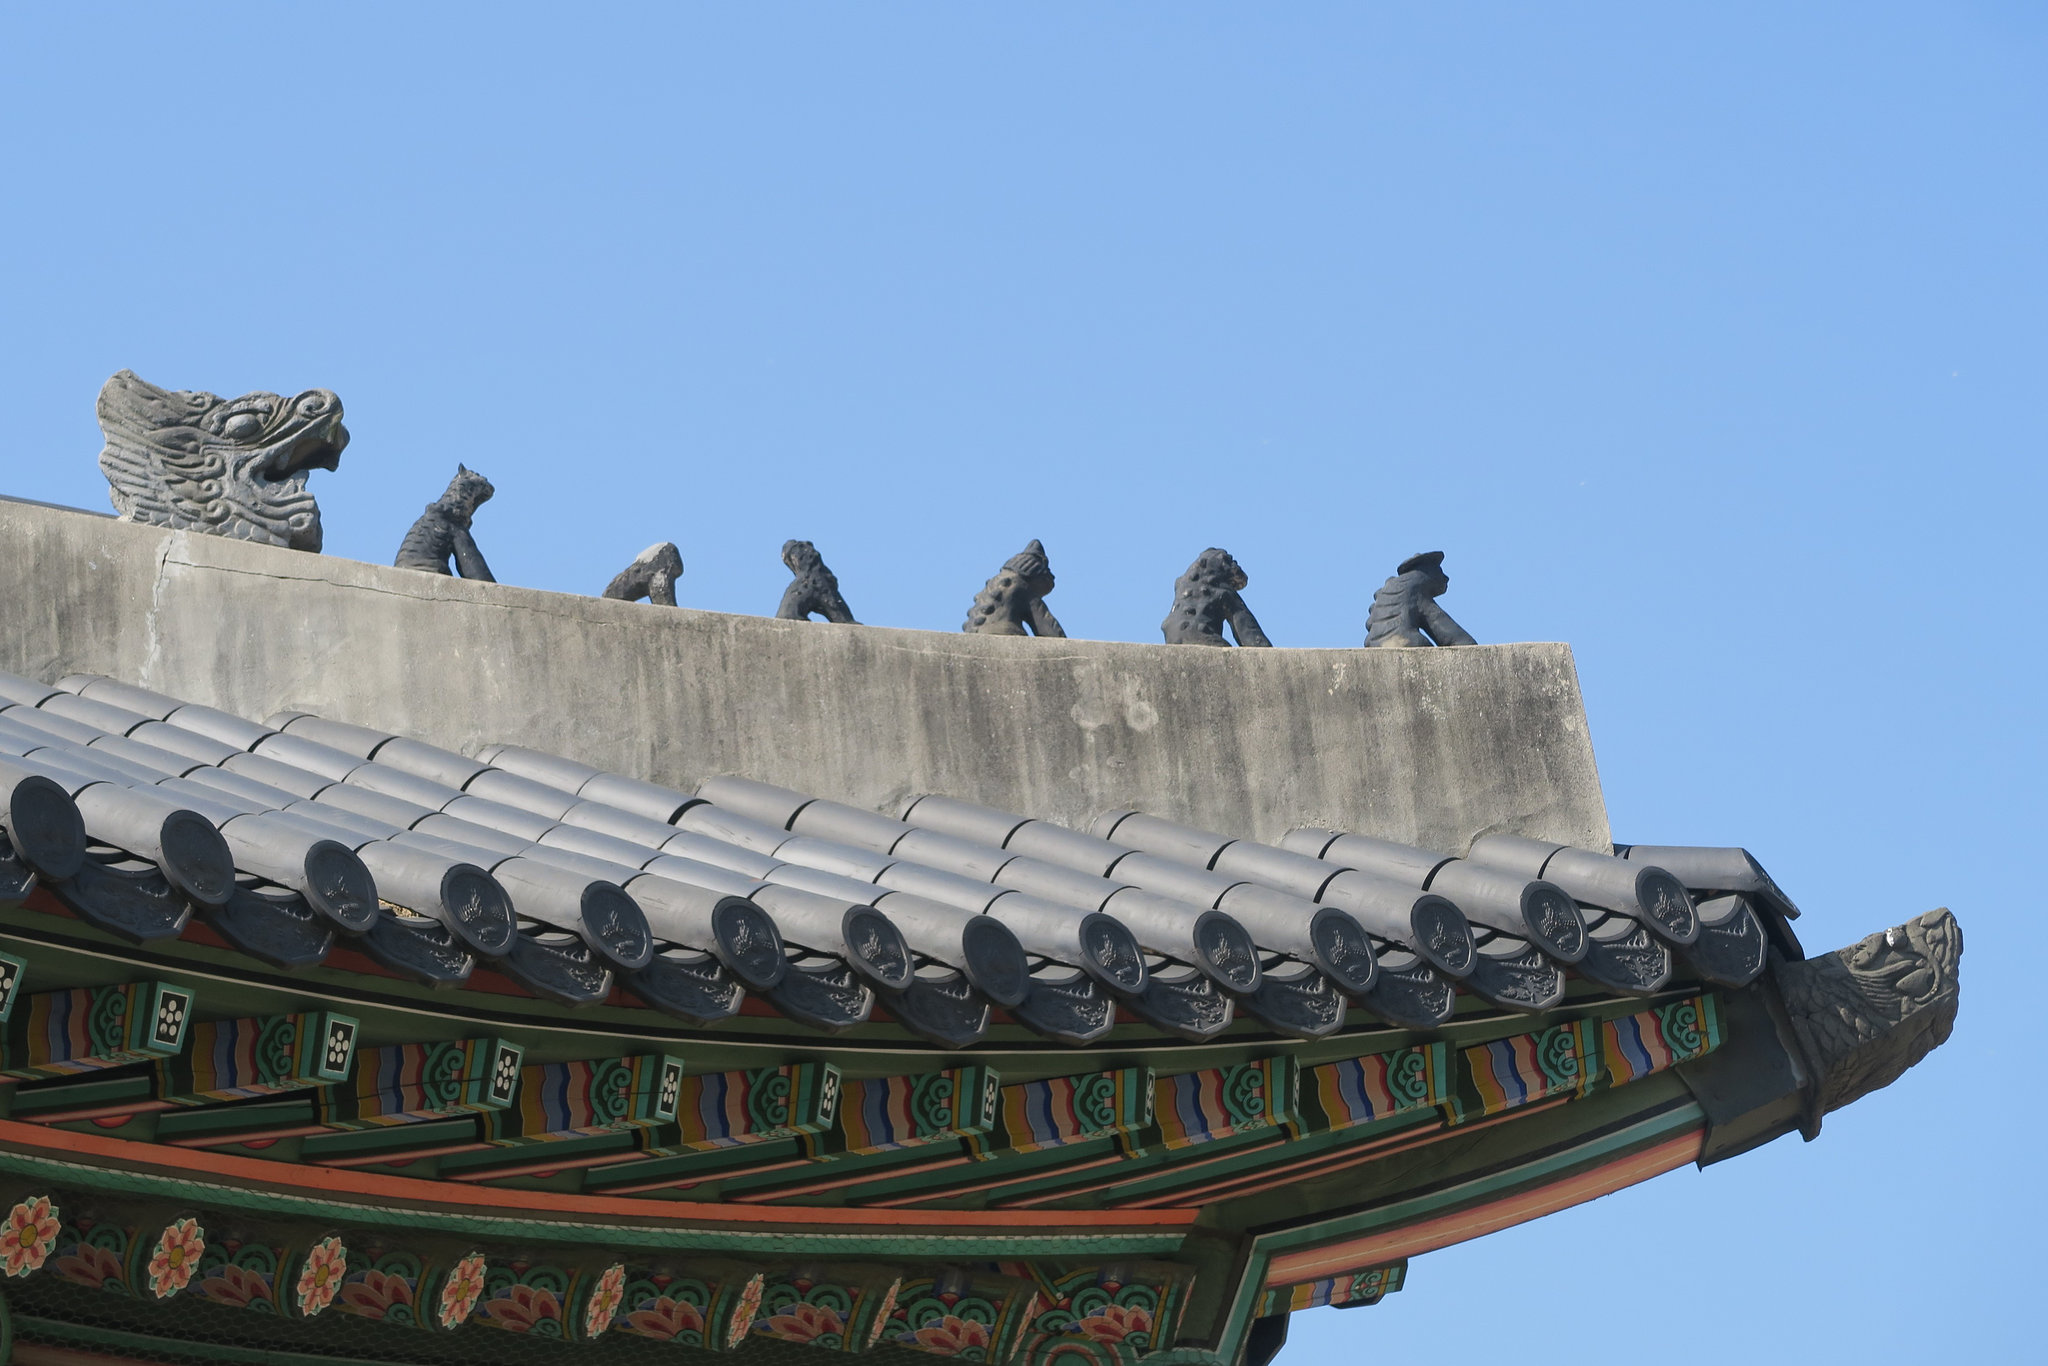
column 1709, row 340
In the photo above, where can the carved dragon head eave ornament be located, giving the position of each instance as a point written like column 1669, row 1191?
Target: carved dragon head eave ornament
column 1865, row 1014
column 194, row 461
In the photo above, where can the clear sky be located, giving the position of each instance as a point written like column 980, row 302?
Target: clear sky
column 1709, row 339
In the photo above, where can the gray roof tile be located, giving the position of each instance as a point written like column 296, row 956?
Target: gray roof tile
column 53, row 724
column 941, row 915
column 302, row 752
column 99, row 688
column 512, row 789
column 101, row 716
column 360, row 741
column 765, row 802
column 443, row 766
column 216, row 724
column 177, row 740
column 25, row 691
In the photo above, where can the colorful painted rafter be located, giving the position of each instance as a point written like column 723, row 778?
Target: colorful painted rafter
column 1100, row 1316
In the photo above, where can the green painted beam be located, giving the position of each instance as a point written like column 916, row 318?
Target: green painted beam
column 691, row 1166
column 28, row 1100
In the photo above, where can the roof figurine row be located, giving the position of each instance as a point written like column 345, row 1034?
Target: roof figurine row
column 238, row 467
column 301, row 833
column 1206, row 598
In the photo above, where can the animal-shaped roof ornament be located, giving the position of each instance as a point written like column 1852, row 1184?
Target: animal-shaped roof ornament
column 1865, row 1013
column 1404, row 611
column 1206, row 598
column 442, row 532
column 1013, row 602
column 235, row 467
column 651, row 576
column 814, row 589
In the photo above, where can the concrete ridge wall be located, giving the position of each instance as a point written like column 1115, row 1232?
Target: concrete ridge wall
column 1434, row 747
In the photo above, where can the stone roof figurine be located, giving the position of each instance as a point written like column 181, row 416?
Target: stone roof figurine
column 1205, row 598
column 814, row 589
column 1013, row 602
column 442, row 532
column 1404, row 610
column 1866, row 1013
column 651, row 576
column 235, row 467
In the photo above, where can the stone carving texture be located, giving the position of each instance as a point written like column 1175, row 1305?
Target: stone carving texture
column 1205, row 598
column 814, row 589
column 1404, row 611
column 651, row 576
column 442, row 532
column 1866, row 1013
column 236, row 467
column 1013, row 602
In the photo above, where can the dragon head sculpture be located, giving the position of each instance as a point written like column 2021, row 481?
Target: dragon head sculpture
column 1866, row 1013
column 225, row 466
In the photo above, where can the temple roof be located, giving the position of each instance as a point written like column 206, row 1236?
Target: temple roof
column 582, row 970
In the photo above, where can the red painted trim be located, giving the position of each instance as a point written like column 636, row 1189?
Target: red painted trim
column 380, row 1188
column 1308, row 1264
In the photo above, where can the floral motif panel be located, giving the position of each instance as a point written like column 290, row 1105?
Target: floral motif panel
column 843, row 1308
column 1113, row 1315
column 527, row 1297
column 694, row 1304
column 973, row 1316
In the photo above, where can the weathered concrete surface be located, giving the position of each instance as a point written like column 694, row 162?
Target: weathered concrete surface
column 1435, row 747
